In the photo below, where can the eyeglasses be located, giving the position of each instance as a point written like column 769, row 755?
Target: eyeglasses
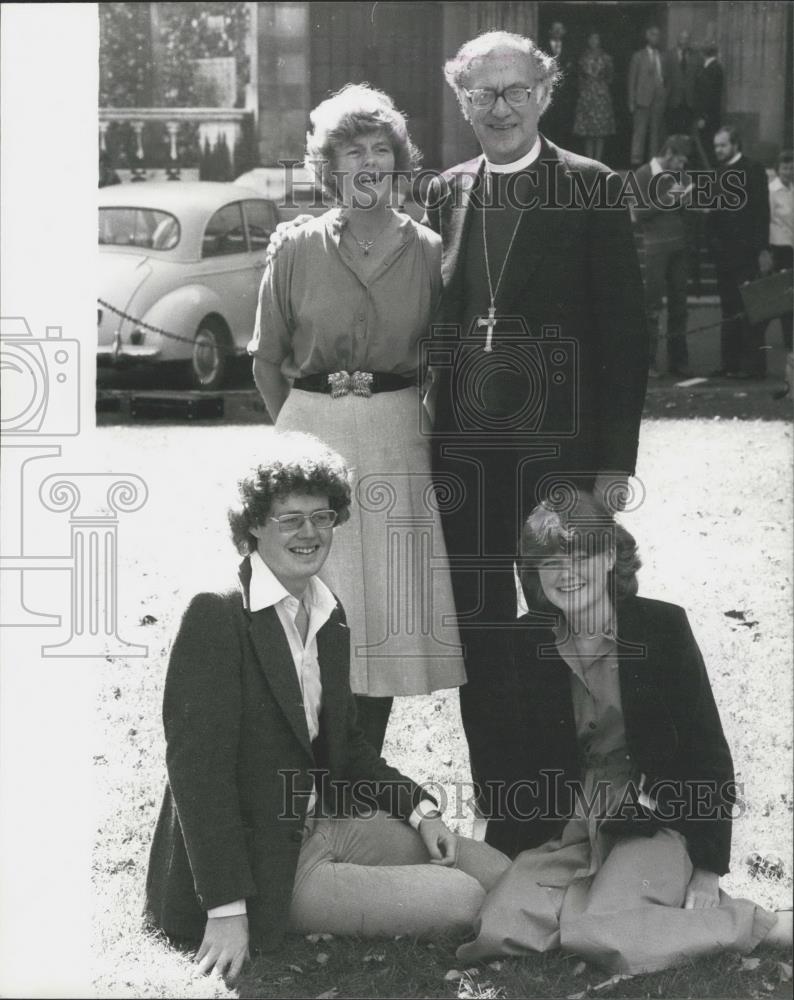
column 294, row 522
column 486, row 97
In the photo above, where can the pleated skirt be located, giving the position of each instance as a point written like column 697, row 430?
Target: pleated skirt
column 388, row 564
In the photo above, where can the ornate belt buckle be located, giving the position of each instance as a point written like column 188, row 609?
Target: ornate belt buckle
column 359, row 383
column 362, row 383
column 340, row 384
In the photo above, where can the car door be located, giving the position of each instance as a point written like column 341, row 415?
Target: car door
column 261, row 218
column 227, row 268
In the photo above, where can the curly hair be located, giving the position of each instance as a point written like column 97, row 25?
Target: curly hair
column 296, row 463
column 456, row 69
column 355, row 110
column 585, row 525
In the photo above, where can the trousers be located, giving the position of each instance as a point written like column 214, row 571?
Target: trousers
column 666, row 274
column 371, row 876
column 626, row 917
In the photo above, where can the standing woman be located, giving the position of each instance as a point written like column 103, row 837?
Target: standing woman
column 343, row 309
column 595, row 117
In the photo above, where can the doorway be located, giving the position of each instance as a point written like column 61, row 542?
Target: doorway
column 622, row 29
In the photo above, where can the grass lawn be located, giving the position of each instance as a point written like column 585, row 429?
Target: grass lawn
column 715, row 533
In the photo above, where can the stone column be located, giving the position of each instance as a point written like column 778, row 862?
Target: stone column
column 284, row 47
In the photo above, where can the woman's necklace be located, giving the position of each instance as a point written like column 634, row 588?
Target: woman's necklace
column 490, row 322
column 366, row 245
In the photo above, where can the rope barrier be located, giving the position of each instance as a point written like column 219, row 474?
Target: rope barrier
column 232, row 353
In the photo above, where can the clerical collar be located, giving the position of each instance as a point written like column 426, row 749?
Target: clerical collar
column 512, row 168
column 734, row 159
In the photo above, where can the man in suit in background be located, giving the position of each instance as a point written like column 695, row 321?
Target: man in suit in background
column 740, row 236
column 541, row 351
column 646, row 96
column 708, row 99
column 660, row 218
column 680, row 71
column 558, row 118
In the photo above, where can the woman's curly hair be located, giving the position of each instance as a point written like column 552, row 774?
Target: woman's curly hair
column 355, row 110
column 296, row 463
column 583, row 525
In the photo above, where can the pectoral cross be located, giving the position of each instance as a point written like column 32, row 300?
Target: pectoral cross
column 490, row 323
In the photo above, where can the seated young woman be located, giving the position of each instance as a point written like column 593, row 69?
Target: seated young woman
column 620, row 797
column 277, row 814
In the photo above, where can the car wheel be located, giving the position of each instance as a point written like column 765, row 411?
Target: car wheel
column 209, row 358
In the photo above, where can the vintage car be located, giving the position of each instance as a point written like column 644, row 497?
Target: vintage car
column 180, row 265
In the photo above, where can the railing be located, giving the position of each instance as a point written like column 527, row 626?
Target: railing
column 211, row 143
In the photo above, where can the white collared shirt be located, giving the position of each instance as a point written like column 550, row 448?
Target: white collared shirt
column 656, row 167
column 266, row 591
column 781, row 214
column 520, row 164
column 734, row 159
column 656, row 60
column 709, row 61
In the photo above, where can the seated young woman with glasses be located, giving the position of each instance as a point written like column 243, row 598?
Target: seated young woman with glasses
column 278, row 815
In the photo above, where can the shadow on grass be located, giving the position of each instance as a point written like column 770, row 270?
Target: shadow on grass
column 407, row 968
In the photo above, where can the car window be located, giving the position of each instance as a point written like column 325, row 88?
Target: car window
column 261, row 218
column 147, row 228
column 225, row 232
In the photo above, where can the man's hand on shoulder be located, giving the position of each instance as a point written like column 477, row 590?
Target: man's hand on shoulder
column 441, row 843
column 224, row 947
column 281, row 230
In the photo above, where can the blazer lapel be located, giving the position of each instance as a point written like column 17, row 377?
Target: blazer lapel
column 650, row 731
column 333, row 652
column 275, row 660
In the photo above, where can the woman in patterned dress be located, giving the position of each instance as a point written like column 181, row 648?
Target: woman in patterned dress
column 595, row 117
column 344, row 307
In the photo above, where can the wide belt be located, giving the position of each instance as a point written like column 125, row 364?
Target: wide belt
column 337, row 384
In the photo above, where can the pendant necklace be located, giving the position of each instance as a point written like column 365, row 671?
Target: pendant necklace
column 367, row 245
column 490, row 322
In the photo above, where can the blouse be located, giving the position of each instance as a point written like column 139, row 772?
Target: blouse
column 318, row 314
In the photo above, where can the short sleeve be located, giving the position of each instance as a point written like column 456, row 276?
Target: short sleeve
column 272, row 336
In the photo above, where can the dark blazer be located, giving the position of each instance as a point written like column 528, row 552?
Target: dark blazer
column 237, row 743
column 740, row 233
column 708, row 96
column 680, row 81
column 659, row 227
column 673, row 732
column 572, row 267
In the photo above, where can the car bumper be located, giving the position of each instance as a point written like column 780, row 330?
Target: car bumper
column 126, row 354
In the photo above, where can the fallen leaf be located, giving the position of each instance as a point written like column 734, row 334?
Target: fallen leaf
column 148, row 620
column 315, row 938
column 452, row 975
column 750, row 964
column 577, row 996
column 612, row 981
column 295, row 968
column 322, row 957
column 496, row 966
column 329, row 994
column 379, row 956
column 579, row 968
column 784, row 971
